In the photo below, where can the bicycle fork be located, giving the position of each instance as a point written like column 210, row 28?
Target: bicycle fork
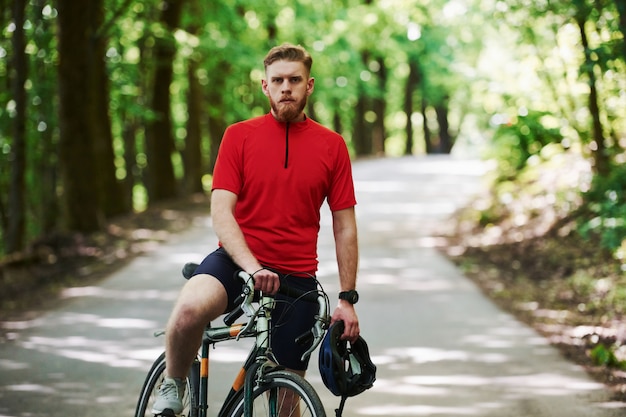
column 255, row 376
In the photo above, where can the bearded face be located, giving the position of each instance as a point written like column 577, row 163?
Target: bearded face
column 288, row 109
column 288, row 87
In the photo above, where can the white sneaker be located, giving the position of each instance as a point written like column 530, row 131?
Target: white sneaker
column 170, row 397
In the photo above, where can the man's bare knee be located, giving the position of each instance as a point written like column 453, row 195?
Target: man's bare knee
column 202, row 299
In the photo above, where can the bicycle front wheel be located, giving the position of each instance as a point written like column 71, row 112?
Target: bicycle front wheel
column 151, row 385
column 282, row 394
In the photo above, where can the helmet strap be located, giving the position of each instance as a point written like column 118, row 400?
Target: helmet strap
column 339, row 410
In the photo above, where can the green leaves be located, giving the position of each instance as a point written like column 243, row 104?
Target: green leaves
column 606, row 208
column 602, row 355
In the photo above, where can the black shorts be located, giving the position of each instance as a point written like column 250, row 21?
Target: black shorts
column 290, row 318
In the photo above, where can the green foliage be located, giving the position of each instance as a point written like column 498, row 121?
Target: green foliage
column 598, row 289
column 606, row 207
column 605, row 356
column 227, row 39
column 516, row 141
column 576, row 95
column 41, row 121
column 532, row 61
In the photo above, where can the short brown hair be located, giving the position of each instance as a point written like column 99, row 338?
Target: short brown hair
column 288, row 52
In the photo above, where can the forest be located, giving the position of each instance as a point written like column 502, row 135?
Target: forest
column 111, row 106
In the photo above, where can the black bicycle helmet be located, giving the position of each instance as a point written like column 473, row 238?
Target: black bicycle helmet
column 346, row 370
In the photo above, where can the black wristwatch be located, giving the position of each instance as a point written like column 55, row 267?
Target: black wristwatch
column 350, row 296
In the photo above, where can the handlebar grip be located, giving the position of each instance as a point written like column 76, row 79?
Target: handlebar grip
column 310, row 296
column 236, row 313
column 233, row 315
column 305, row 338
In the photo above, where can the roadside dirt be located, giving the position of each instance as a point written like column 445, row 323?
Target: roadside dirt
column 523, row 280
column 527, row 257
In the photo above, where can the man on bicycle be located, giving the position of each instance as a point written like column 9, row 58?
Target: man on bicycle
column 271, row 177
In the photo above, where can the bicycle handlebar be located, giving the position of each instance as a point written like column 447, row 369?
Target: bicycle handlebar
column 322, row 319
column 244, row 305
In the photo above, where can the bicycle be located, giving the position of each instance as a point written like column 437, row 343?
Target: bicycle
column 262, row 387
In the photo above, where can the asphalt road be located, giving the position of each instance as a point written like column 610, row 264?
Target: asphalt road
column 441, row 347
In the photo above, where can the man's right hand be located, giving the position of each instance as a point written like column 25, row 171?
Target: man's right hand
column 266, row 281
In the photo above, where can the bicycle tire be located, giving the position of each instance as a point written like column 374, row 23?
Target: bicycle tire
column 268, row 397
column 151, row 384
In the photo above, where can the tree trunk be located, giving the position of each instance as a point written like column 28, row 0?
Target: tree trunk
column 217, row 126
column 76, row 153
column 412, row 82
column 192, row 157
column 132, row 125
column 599, row 153
column 215, row 100
column 359, row 135
column 362, row 133
column 193, row 141
column 17, row 200
column 337, row 126
column 161, row 182
column 4, row 16
column 428, row 137
column 129, row 137
column 445, row 139
column 379, row 106
column 45, row 169
column 111, row 195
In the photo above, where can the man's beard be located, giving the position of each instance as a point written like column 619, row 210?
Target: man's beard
column 289, row 111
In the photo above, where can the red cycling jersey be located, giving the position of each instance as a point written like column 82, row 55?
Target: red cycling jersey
column 282, row 173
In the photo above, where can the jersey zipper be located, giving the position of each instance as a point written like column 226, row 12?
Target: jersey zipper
column 287, row 145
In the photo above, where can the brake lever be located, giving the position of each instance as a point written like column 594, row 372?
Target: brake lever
column 319, row 328
column 246, row 305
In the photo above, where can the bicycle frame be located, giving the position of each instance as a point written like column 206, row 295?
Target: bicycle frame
column 212, row 336
column 260, row 362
